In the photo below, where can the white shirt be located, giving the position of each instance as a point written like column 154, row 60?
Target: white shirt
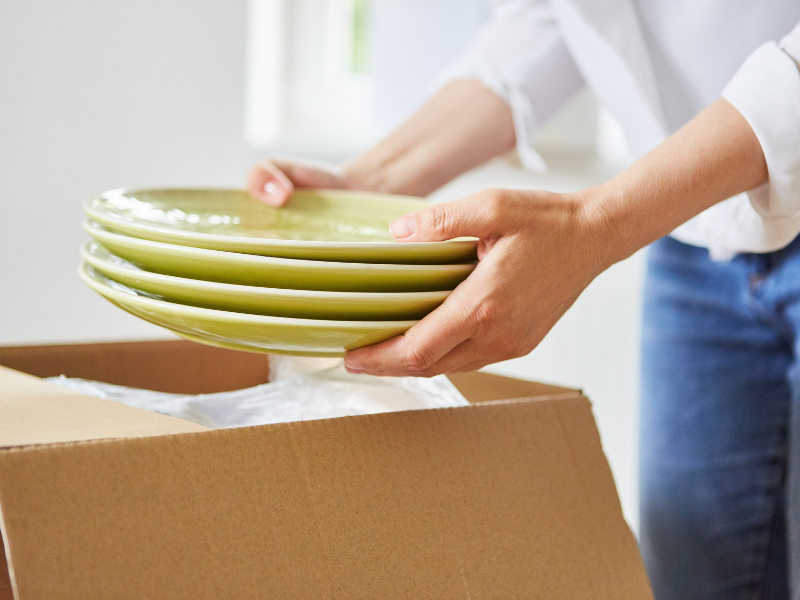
column 655, row 64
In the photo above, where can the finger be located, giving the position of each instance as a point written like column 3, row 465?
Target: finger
column 422, row 345
column 266, row 182
column 477, row 215
column 311, row 174
column 465, row 357
column 468, row 356
column 473, row 366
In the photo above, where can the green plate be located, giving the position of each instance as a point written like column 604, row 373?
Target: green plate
column 286, row 273
column 302, row 304
column 335, row 225
column 257, row 333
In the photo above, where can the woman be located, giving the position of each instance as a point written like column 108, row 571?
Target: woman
column 709, row 96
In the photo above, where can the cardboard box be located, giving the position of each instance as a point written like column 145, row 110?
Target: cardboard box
column 510, row 497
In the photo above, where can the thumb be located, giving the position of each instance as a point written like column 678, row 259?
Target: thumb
column 473, row 216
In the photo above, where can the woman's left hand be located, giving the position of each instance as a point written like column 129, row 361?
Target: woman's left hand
column 537, row 251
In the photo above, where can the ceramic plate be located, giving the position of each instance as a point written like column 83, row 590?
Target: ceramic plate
column 257, row 333
column 301, row 304
column 286, row 273
column 336, row 225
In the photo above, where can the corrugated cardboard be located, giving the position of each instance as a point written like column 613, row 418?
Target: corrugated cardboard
column 32, row 412
column 507, row 498
column 166, row 366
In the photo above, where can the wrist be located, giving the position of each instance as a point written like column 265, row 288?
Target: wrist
column 361, row 173
column 609, row 228
column 409, row 173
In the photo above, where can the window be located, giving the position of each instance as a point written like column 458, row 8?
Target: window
column 327, row 78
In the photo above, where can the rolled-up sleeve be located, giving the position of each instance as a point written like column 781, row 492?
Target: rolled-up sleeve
column 766, row 90
column 521, row 56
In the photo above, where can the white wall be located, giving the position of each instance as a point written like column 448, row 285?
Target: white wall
column 433, row 34
column 96, row 95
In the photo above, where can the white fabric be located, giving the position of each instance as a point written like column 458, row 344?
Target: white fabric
column 521, row 56
column 607, row 54
column 655, row 64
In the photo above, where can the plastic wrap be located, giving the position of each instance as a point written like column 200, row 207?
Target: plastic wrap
column 301, row 389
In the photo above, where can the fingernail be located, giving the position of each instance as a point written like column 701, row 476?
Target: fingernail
column 273, row 192
column 352, row 366
column 403, row 227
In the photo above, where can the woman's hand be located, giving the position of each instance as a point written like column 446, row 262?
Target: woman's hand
column 273, row 179
column 537, row 251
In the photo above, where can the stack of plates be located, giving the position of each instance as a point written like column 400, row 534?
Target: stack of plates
column 317, row 277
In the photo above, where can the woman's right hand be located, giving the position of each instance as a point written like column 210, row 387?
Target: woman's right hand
column 273, row 179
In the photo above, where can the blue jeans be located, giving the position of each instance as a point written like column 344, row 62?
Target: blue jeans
column 719, row 470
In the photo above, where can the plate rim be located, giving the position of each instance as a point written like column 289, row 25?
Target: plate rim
column 262, row 242
column 257, row 259
column 200, row 284
column 229, row 316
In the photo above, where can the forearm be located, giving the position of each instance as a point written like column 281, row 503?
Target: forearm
column 713, row 157
column 461, row 127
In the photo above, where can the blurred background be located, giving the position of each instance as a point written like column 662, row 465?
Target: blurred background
column 98, row 95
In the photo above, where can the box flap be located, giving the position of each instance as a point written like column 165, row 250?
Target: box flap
column 176, row 366
column 36, row 412
column 494, row 500
column 6, row 593
column 487, row 387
